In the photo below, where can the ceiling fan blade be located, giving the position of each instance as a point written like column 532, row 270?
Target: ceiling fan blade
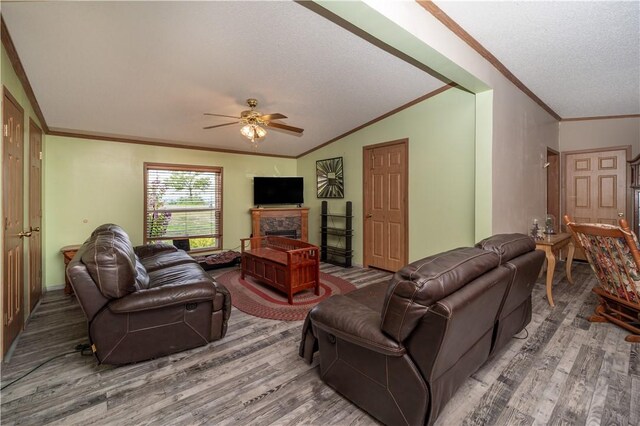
column 285, row 127
column 220, row 115
column 220, row 125
column 269, row 117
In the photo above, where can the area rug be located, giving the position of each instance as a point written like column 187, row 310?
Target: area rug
column 263, row 301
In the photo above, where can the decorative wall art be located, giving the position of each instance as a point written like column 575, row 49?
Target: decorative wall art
column 330, row 178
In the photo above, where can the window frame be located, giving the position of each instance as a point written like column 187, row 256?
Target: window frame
column 184, row 168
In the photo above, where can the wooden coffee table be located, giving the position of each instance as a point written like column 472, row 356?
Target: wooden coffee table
column 551, row 244
column 283, row 263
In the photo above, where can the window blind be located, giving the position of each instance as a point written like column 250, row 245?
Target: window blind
column 183, row 202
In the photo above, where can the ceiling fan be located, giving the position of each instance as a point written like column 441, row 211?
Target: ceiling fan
column 252, row 121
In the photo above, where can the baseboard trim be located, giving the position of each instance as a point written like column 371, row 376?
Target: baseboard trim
column 54, row 287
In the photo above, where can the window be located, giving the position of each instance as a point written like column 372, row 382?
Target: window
column 183, row 205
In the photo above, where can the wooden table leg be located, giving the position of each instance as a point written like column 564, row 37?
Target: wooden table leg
column 551, row 265
column 572, row 250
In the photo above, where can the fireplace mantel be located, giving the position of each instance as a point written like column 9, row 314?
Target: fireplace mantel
column 298, row 214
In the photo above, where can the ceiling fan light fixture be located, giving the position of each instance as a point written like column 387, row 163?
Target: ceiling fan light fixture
column 253, row 123
column 253, row 132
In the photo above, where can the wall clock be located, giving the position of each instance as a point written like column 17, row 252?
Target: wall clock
column 330, row 178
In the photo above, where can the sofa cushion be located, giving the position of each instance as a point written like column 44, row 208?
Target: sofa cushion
column 165, row 259
column 188, row 273
column 110, row 261
column 508, row 246
column 417, row 286
column 150, row 249
column 142, row 277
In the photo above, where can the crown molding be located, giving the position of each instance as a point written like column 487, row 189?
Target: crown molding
column 382, row 117
column 354, row 29
column 446, row 20
column 602, row 117
column 144, row 141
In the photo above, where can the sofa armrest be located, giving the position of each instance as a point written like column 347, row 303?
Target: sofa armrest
column 160, row 297
column 147, row 250
column 351, row 321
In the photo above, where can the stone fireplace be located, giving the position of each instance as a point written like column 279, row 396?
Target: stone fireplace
column 288, row 233
column 286, row 222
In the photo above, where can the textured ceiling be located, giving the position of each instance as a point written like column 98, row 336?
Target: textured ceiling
column 151, row 69
column 581, row 58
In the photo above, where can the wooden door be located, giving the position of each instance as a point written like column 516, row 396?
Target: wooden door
column 596, row 186
column 35, row 214
column 385, row 203
column 596, row 183
column 12, row 211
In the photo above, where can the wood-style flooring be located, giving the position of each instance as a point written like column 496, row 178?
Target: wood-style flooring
column 567, row 371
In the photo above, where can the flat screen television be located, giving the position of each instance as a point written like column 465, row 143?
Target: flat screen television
column 278, row 190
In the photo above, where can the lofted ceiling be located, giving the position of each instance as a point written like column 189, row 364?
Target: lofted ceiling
column 149, row 70
column 581, row 58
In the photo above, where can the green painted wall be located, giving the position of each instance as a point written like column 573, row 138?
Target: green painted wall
column 94, row 182
column 441, row 134
column 484, row 164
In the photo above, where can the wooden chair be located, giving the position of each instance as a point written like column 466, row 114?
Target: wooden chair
column 612, row 252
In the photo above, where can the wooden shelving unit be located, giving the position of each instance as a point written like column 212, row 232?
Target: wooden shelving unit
column 336, row 236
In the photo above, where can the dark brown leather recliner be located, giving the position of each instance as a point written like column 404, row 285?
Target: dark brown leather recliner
column 400, row 350
column 144, row 302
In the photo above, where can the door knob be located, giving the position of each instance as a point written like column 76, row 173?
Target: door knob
column 36, row 229
column 369, row 215
column 24, row 234
column 620, row 214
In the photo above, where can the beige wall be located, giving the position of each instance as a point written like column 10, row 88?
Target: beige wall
column 589, row 134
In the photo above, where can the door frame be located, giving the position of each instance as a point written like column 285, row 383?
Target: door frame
column 365, row 159
column 563, row 192
column 32, row 125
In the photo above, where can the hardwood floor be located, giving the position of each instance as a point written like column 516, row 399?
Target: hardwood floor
column 567, row 371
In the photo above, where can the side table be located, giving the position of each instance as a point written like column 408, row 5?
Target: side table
column 551, row 244
column 67, row 253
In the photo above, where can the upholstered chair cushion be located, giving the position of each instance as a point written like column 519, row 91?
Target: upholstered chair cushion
column 420, row 284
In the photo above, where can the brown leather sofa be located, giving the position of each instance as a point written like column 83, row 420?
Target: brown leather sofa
column 400, row 350
column 144, row 302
